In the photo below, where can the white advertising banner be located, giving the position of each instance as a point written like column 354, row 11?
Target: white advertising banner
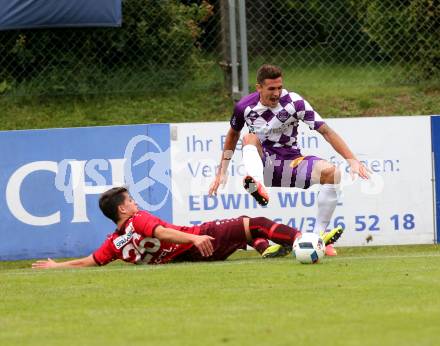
column 394, row 207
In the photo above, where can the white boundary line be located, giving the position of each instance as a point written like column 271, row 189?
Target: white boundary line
column 228, row 262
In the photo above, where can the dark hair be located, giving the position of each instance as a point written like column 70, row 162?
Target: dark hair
column 110, row 201
column 268, row 72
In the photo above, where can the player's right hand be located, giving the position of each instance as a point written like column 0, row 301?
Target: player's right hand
column 357, row 167
column 220, row 179
column 204, row 245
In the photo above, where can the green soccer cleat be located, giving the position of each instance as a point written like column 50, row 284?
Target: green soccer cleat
column 276, row 251
column 332, row 236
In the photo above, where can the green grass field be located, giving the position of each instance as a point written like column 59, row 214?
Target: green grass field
column 355, row 91
column 365, row 296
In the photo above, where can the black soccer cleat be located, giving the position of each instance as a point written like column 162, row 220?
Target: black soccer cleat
column 256, row 190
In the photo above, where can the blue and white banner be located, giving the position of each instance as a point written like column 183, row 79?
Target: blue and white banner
column 394, row 207
column 27, row 14
column 50, row 181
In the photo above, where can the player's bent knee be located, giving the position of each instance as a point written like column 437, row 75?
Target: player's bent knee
column 330, row 175
column 260, row 222
column 250, row 138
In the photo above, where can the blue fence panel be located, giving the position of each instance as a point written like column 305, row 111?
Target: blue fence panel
column 435, row 131
column 25, row 14
column 50, row 181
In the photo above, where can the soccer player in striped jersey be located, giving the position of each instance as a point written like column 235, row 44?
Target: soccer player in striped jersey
column 271, row 154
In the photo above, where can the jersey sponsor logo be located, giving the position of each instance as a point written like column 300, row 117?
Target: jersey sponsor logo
column 267, row 131
column 283, row 128
column 123, row 239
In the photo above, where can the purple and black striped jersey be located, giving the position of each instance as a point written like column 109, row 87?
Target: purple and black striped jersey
column 275, row 127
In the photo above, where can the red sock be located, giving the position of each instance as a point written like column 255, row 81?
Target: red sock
column 279, row 233
column 259, row 244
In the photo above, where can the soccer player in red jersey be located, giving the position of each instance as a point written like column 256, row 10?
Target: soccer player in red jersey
column 142, row 238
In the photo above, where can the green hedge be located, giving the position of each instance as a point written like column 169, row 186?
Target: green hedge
column 405, row 30
column 155, row 35
column 321, row 30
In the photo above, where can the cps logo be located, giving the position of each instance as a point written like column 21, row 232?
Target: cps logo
column 145, row 168
column 147, row 172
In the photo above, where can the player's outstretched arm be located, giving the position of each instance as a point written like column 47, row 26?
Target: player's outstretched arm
column 76, row 263
column 201, row 242
column 336, row 141
column 221, row 177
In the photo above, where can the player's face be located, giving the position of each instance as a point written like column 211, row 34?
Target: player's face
column 129, row 207
column 270, row 91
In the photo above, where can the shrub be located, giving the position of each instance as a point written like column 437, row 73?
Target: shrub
column 155, row 35
column 405, row 30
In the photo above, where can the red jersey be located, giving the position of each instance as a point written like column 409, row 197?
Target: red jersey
column 135, row 242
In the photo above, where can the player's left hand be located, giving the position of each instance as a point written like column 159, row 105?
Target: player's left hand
column 357, row 167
